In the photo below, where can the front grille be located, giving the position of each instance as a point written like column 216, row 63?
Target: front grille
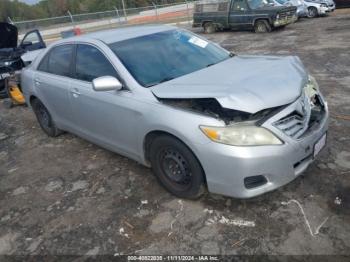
column 306, row 116
column 293, row 125
column 286, row 15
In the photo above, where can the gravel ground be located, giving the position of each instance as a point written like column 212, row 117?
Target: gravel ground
column 68, row 196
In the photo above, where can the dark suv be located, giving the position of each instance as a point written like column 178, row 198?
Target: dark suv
column 259, row 15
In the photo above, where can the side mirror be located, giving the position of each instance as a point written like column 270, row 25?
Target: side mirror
column 106, row 83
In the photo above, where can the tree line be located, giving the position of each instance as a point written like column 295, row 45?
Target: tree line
column 18, row 11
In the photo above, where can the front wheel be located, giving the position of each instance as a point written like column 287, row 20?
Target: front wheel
column 176, row 167
column 209, row 28
column 262, row 26
column 312, row 12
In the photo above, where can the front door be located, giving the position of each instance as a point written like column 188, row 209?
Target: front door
column 32, row 41
column 105, row 117
column 240, row 14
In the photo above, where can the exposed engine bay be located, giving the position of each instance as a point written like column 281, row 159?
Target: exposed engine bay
column 14, row 57
column 211, row 107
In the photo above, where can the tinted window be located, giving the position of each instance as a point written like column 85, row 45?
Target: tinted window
column 239, row 5
column 44, row 64
column 57, row 61
column 91, row 63
column 255, row 4
column 32, row 38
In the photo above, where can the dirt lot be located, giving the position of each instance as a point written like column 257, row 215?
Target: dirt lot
column 67, row 196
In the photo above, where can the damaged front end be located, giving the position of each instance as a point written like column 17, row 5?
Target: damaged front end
column 211, row 107
column 240, row 129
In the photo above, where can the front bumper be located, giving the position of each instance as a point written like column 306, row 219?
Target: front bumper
column 331, row 8
column 323, row 10
column 227, row 166
column 285, row 21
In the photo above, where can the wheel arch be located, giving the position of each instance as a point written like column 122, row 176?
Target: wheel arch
column 32, row 98
column 207, row 21
column 150, row 136
column 267, row 19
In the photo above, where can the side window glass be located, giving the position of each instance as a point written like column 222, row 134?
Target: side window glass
column 44, row 64
column 60, row 60
column 91, row 63
column 32, row 38
column 239, row 5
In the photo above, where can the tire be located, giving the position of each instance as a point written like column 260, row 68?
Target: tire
column 176, row 167
column 312, row 12
column 3, row 91
column 44, row 118
column 209, row 28
column 262, row 26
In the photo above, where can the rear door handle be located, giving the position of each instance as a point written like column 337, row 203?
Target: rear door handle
column 37, row 82
column 75, row 92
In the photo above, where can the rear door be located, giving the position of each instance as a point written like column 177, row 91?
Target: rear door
column 52, row 80
column 240, row 14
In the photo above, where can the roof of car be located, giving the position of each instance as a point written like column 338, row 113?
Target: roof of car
column 120, row 34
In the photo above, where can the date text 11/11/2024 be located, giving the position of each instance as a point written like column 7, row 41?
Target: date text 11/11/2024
column 173, row 258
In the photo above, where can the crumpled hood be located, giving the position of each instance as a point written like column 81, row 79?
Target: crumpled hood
column 244, row 83
column 9, row 36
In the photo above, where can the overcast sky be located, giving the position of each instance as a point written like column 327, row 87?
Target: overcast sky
column 30, row 2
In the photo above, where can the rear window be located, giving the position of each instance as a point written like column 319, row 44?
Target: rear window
column 58, row 61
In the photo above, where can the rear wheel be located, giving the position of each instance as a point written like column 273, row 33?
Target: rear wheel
column 262, row 26
column 176, row 167
column 209, row 28
column 44, row 118
column 312, row 12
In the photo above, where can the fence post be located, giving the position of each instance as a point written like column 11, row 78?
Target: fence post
column 116, row 9
column 125, row 16
column 188, row 13
column 71, row 18
column 9, row 20
column 155, row 10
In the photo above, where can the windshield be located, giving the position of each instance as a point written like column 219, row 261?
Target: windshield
column 255, row 4
column 160, row 57
column 282, row 2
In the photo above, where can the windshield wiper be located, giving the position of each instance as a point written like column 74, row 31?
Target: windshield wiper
column 210, row 64
column 165, row 79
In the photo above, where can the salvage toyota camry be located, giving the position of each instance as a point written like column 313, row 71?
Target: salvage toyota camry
column 200, row 116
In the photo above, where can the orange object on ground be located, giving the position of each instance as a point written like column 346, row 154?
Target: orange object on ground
column 16, row 95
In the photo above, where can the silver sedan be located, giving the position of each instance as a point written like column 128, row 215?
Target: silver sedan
column 200, row 116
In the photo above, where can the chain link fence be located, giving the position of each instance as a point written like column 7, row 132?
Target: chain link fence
column 51, row 28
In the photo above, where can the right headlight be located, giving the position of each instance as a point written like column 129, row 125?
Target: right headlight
column 311, row 88
column 241, row 135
